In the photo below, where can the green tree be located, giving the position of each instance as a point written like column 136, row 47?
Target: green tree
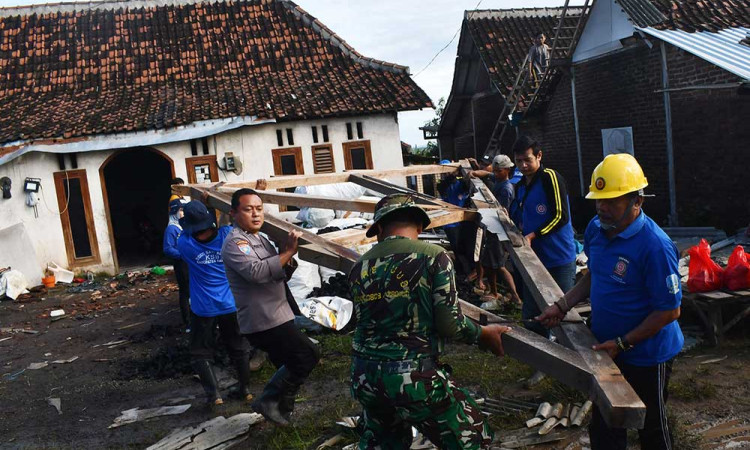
column 432, row 146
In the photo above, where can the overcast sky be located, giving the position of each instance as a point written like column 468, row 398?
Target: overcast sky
column 406, row 32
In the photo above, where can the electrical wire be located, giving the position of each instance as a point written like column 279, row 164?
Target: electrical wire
column 449, row 42
column 67, row 199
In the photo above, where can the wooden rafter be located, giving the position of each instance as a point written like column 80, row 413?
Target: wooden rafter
column 577, row 366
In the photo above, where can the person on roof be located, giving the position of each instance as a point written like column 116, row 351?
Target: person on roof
column 634, row 286
column 538, row 56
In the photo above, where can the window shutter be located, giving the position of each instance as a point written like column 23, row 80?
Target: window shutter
column 323, row 159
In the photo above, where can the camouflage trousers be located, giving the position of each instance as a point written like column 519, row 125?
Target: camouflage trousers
column 426, row 400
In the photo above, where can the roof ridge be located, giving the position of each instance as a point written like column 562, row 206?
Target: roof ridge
column 69, row 6
column 515, row 12
column 331, row 36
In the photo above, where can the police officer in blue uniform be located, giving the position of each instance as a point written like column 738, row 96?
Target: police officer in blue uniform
column 635, row 294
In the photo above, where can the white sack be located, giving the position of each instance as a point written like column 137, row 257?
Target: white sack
column 331, row 312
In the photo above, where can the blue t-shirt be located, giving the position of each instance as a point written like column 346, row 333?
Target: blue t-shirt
column 542, row 207
column 503, row 191
column 209, row 289
column 171, row 234
column 456, row 195
column 632, row 275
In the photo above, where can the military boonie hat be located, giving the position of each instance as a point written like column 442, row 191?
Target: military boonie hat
column 395, row 202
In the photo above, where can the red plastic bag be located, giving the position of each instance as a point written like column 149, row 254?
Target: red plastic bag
column 737, row 273
column 704, row 274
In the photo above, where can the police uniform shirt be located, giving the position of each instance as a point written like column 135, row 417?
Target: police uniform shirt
column 632, row 275
column 256, row 277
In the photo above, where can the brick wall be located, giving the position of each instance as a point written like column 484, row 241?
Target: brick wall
column 711, row 142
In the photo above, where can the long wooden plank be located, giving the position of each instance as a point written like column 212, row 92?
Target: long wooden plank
column 384, row 187
column 277, row 228
column 620, row 405
column 288, row 181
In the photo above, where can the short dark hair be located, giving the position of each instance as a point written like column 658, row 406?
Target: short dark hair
column 177, row 181
column 406, row 215
column 237, row 195
column 539, row 33
column 525, row 142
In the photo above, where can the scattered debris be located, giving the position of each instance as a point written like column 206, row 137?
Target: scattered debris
column 56, row 403
column 522, row 438
column 13, row 376
column 137, row 415
column 6, row 338
column 37, row 365
column 713, row 360
column 65, row 361
column 339, row 438
column 216, row 433
column 131, row 325
column 348, row 422
column 577, row 420
column 57, row 314
column 502, row 405
column 112, row 344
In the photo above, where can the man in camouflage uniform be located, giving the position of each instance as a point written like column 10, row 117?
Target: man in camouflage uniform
column 404, row 293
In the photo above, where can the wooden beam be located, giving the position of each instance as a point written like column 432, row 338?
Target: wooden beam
column 387, row 188
column 288, row 181
column 620, row 405
column 553, row 359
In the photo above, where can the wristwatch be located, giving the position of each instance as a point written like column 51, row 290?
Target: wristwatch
column 623, row 344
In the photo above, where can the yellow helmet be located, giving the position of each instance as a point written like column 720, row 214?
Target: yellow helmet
column 617, row 175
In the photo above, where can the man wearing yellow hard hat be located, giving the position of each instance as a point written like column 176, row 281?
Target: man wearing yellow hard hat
column 635, row 294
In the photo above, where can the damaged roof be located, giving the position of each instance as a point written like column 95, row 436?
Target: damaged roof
column 688, row 15
column 503, row 38
column 79, row 69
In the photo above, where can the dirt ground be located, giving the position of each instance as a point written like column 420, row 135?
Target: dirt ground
column 132, row 352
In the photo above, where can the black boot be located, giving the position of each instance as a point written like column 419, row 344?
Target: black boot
column 208, row 380
column 242, row 391
column 288, row 396
column 268, row 403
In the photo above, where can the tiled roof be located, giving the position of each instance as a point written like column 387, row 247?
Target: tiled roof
column 73, row 70
column 688, row 15
column 503, row 38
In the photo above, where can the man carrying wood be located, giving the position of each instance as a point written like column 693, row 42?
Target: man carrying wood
column 635, row 292
column 256, row 275
column 404, row 293
column 540, row 210
column 211, row 301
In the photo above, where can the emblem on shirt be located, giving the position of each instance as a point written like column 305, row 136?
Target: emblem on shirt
column 244, row 246
column 541, row 209
column 621, row 267
column 209, row 257
column 673, row 283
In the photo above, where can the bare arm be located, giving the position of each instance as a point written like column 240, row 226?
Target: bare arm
column 651, row 325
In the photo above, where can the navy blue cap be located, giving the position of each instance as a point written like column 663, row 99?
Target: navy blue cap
column 196, row 217
column 175, row 206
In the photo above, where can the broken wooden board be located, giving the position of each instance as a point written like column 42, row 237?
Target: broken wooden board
column 619, row 404
column 217, row 433
column 137, row 414
column 288, row 181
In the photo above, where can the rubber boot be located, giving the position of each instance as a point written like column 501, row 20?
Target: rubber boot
column 268, row 403
column 208, row 379
column 288, row 396
column 242, row 391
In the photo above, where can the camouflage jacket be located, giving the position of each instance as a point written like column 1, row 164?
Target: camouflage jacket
column 404, row 294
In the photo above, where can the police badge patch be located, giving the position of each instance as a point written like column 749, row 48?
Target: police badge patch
column 244, row 246
column 673, row 283
column 621, row 268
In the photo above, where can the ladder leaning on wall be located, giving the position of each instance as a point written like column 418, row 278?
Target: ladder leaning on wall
column 528, row 90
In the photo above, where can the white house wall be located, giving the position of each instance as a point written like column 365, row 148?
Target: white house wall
column 252, row 144
column 606, row 25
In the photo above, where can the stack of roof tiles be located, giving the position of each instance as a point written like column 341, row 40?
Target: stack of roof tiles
column 118, row 68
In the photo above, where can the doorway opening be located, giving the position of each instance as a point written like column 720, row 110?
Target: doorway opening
column 136, row 184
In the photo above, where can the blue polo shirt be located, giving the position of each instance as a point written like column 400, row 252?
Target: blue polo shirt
column 632, row 275
column 456, row 195
column 209, row 289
